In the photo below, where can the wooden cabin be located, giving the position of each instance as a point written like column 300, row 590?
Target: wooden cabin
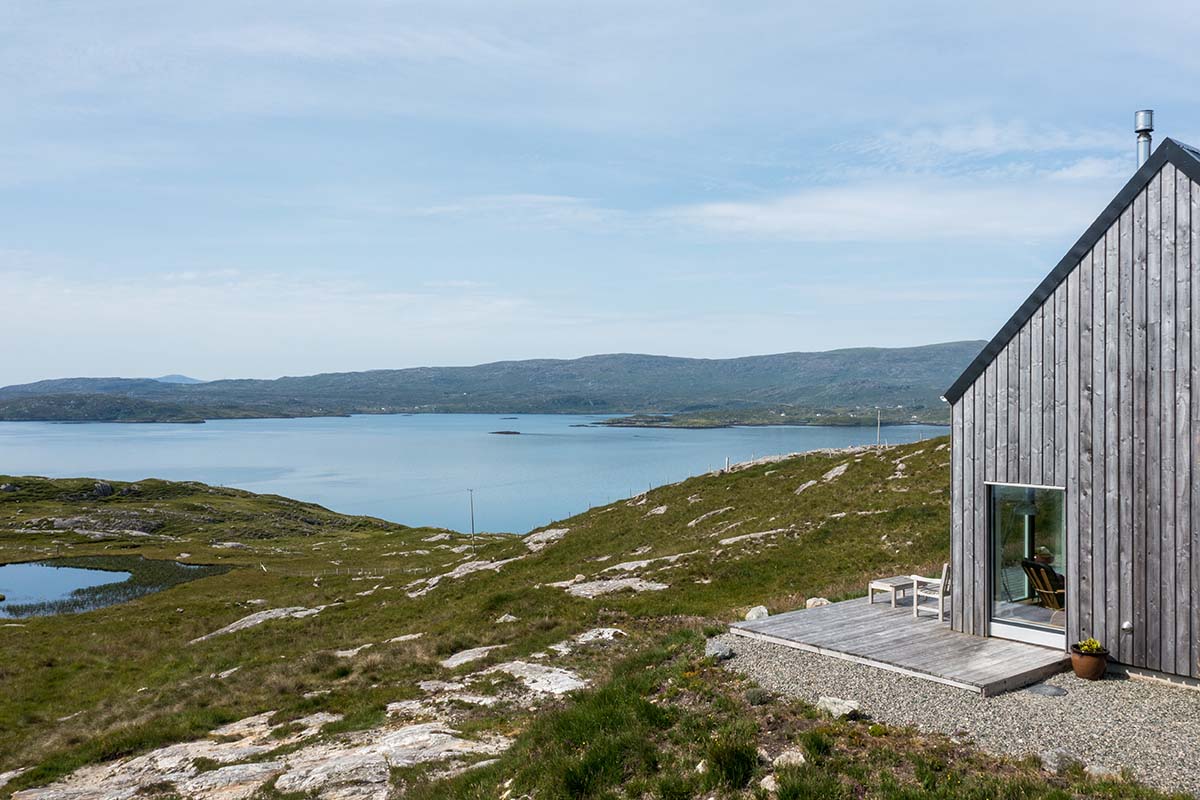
column 1076, row 440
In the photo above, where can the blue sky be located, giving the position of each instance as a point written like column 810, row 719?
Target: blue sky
column 257, row 189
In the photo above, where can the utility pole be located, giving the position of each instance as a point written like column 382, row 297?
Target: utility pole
column 878, row 418
column 472, row 493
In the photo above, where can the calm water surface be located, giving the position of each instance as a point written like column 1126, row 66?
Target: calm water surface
column 45, row 583
column 416, row 469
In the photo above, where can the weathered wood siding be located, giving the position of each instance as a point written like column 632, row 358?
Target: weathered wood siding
column 1094, row 394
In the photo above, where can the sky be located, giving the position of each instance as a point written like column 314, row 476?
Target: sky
column 231, row 189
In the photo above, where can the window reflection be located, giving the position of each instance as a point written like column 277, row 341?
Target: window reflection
column 1028, row 556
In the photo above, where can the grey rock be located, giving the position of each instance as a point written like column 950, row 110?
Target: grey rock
column 1103, row 773
column 769, row 784
column 540, row 679
column 258, row 618
column 792, row 757
column 590, row 589
column 102, row 489
column 718, row 650
column 816, row 602
column 1046, row 690
column 8, row 487
column 758, row 612
column 839, row 707
column 467, row 656
column 1057, row 760
column 361, row 767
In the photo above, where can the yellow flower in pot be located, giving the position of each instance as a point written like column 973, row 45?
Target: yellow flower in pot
column 1089, row 659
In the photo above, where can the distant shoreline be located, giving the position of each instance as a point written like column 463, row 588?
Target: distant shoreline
column 656, row 421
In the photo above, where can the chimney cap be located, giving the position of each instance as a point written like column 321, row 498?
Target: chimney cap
column 1143, row 121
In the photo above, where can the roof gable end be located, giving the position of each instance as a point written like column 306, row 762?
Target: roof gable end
column 1184, row 157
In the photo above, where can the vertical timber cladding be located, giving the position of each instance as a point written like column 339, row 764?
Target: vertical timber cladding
column 1094, row 393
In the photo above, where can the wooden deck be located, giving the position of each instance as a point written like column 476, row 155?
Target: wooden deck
column 889, row 638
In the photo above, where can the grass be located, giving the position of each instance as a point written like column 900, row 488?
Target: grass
column 643, row 731
column 95, row 686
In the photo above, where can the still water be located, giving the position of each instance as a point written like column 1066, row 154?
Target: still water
column 34, row 583
column 417, row 469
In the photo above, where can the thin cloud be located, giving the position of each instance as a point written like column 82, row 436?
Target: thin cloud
column 527, row 208
column 986, row 138
column 915, row 210
column 408, row 44
column 1092, row 168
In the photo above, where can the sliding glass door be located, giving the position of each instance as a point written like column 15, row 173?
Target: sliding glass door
column 1028, row 564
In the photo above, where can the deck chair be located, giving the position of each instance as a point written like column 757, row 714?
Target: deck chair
column 933, row 589
column 1046, row 582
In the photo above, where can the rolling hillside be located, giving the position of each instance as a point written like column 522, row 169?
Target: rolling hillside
column 911, row 379
column 349, row 657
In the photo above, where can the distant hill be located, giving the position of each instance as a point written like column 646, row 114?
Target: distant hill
column 907, row 380
column 177, row 379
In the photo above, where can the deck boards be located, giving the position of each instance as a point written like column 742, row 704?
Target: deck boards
column 889, row 638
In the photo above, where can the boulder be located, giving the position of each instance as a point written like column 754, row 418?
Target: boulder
column 792, row 757
column 542, row 539
column 816, row 602
column 758, row 612
column 769, row 784
column 467, row 656
column 1057, row 761
column 505, row 618
column 599, row 635
column 839, row 707
column 102, row 489
column 717, row 650
column 8, row 487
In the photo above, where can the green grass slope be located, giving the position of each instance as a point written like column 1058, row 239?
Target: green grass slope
column 106, row 684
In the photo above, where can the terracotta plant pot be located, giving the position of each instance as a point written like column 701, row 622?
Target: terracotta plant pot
column 1089, row 666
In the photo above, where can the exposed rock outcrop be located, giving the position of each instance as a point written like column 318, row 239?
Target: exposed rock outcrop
column 258, row 618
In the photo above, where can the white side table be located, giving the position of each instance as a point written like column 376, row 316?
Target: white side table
column 901, row 584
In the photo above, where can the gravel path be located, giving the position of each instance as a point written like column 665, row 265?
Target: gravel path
column 1153, row 730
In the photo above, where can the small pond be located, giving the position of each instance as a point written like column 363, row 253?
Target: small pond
column 69, row 585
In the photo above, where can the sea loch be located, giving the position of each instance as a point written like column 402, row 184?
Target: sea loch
column 417, row 470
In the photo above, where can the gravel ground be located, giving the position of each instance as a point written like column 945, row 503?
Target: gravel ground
column 1153, row 730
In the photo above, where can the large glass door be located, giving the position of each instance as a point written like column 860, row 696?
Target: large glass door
column 1028, row 564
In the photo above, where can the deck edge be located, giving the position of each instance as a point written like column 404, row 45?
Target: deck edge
column 750, row 634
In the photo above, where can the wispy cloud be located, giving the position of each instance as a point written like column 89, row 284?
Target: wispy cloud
column 360, row 43
column 914, row 210
column 459, row 283
column 536, row 209
column 1093, row 167
column 984, row 139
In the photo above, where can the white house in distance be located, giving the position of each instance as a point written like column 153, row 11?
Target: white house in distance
column 1076, row 439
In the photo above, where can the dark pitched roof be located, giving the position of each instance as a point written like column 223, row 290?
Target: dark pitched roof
column 1185, row 158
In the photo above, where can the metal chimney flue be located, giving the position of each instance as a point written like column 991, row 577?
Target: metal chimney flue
column 1143, row 125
